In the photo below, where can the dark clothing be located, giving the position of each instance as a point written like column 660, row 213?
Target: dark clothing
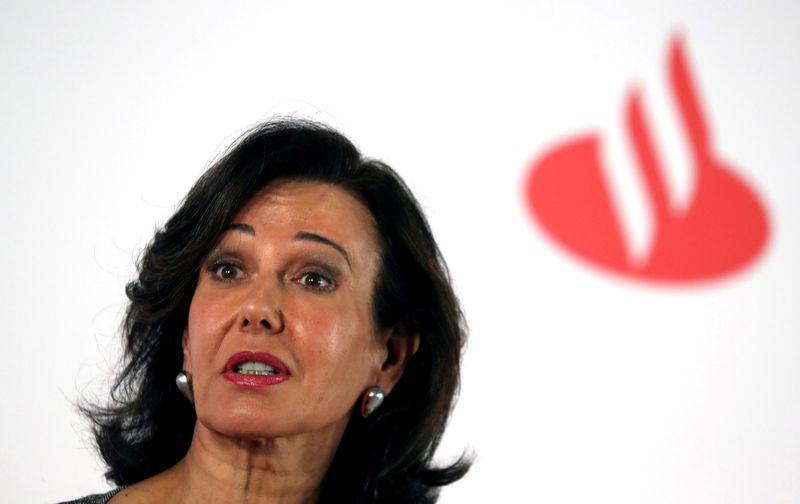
column 94, row 499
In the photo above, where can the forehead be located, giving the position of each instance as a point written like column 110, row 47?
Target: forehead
column 319, row 207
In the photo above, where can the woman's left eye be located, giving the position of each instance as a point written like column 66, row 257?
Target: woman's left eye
column 316, row 281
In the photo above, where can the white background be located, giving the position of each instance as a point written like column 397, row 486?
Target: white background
column 578, row 386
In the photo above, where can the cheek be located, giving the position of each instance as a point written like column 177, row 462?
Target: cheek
column 206, row 320
column 339, row 345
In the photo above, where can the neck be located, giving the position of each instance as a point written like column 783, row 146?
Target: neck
column 222, row 469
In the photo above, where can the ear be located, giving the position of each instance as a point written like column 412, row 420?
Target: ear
column 401, row 345
column 187, row 361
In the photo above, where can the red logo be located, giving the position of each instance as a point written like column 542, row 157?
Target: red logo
column 722, row 229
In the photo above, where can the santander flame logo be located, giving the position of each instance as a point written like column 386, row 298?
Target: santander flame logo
column 722, row 227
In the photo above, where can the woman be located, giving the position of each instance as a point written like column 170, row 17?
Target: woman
column 302, row 303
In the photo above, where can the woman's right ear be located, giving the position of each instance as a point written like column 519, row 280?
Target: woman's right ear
column 187, row 366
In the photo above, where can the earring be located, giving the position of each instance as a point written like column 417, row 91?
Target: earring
column 373, row 398
column 184, row 383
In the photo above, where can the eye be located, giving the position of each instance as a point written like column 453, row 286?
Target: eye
column 225, row 271
column 316, row 281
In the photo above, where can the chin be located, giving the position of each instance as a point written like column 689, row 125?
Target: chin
column 246, row 425
column 255, row 425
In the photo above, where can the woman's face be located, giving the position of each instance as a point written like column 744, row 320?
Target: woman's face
column 281, row 339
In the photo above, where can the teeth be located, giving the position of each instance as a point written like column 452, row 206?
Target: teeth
column 255, row 368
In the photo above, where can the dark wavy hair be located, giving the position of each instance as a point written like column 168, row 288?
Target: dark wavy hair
column 147, row 425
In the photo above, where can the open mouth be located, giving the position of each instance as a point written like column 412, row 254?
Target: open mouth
column 257, row 368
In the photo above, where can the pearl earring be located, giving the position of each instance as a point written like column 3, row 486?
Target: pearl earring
column 184, row 383
column 373, row 398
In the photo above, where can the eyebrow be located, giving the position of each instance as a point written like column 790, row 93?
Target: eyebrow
column 305, row 235
column 299, row 236
column 244, row 228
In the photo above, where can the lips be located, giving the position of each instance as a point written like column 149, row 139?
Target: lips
column 255, row 369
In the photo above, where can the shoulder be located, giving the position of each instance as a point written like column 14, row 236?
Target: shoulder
column 95, row 498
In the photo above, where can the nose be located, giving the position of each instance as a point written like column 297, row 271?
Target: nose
column 261, row 310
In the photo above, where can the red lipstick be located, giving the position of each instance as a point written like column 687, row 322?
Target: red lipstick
column 276, row 372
